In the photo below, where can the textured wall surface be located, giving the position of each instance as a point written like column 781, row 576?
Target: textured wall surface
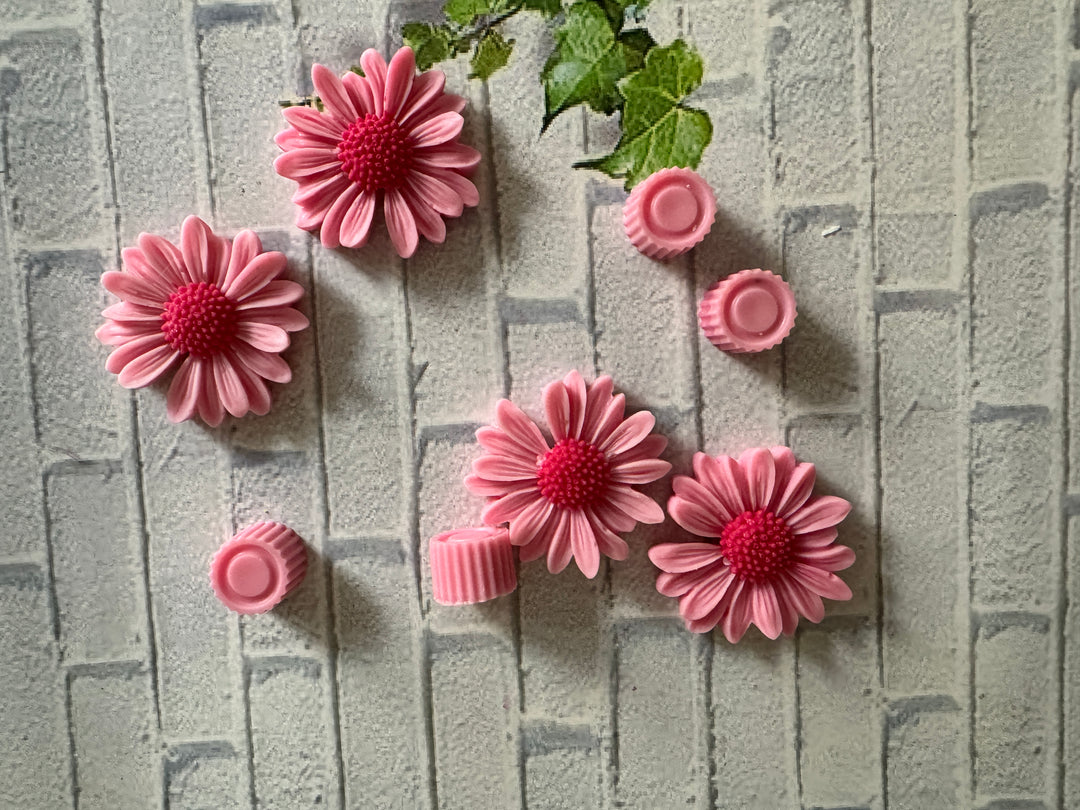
column 929, row 376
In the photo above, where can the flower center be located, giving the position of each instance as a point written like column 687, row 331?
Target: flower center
column 375, row 153
column 199, row 319
column 573, row 474
column 756, row 545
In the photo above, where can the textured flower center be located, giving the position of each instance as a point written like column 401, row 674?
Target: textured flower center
column 573, row 474
column 199, row 319
column 376, row 153
column 756, row 545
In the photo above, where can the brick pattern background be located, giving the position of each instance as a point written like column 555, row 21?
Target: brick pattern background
column 930, row 377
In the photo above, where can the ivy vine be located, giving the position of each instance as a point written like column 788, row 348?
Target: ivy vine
column 604, row 58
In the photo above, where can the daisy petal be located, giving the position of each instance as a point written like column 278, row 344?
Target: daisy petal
column 257, row 273
column 320, row 191
column 799, row 487
column 644, row 471
column 263, row 336
column 113, row 333
column 700, row 601
column 784, row 461
column 278, row 293
column 446, row 156
column 183, row 396
column 289, row 319
column 598, row 395
column 330, row 230
column 578, row 395
column 760, row 471
column 513, row 421
column 737, row 618
column 494, row 489
column 197, row 243
column 438, row 130
column 401, row 223
column 133, row 313
column 131, row 289
column 130, row 350
column 332, row 94
column 399, row 80
column 438, row 194
column 557, row 409
column 359, row 90
column 613, row 517
column 676, row 585
column 504, row 468
column 135, row 263
column 541, row 543
column 507, row 508
column 821, row 582
column 308, row 160
column 649, row 447
column 583, row 544
column 211, row 409
column 635, row 504
column 609, row 543
column 426, row 88
column 818, row 539
column 496, row 441
column 356, row 224
column 255, row 387
column 428, row 222
column 610, row 418
column 560, row 552
column 765, row 609
column 830, row 558
column 677, row 558
column 229, row 386
column 530, row 522
column 165, row 257
column 314, row 124
column 246, row 246
column 806, row 603
column 147, row 367
column 266, row 364
column 724, row 477
column 629, row 433
column 692, row 490
column 694, row 517
column 819, row 513
column 374, row 67
column 462, row 186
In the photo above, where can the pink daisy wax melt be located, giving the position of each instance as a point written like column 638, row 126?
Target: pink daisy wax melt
column 773, row 554
column 218, row 310
column 569, row 499
column 258, row 567
column 750, row 311
column 669, row 212
column 390, row 137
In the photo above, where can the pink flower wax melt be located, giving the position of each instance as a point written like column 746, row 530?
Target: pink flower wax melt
column 258, row 567
column 669, row 212
column 750, row 311
column 471, row 565
column 770, row 553
column 570, row 497
column 386, row 139
column 219, row 312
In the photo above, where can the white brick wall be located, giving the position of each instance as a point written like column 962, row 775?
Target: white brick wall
column 930, row 376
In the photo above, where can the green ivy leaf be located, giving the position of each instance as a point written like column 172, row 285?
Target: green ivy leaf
column 618, row 10
column 463, row 12
column 431, row 43
column 549, row 8
column 588, row 62
column 492, row 53
column 658, row 130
